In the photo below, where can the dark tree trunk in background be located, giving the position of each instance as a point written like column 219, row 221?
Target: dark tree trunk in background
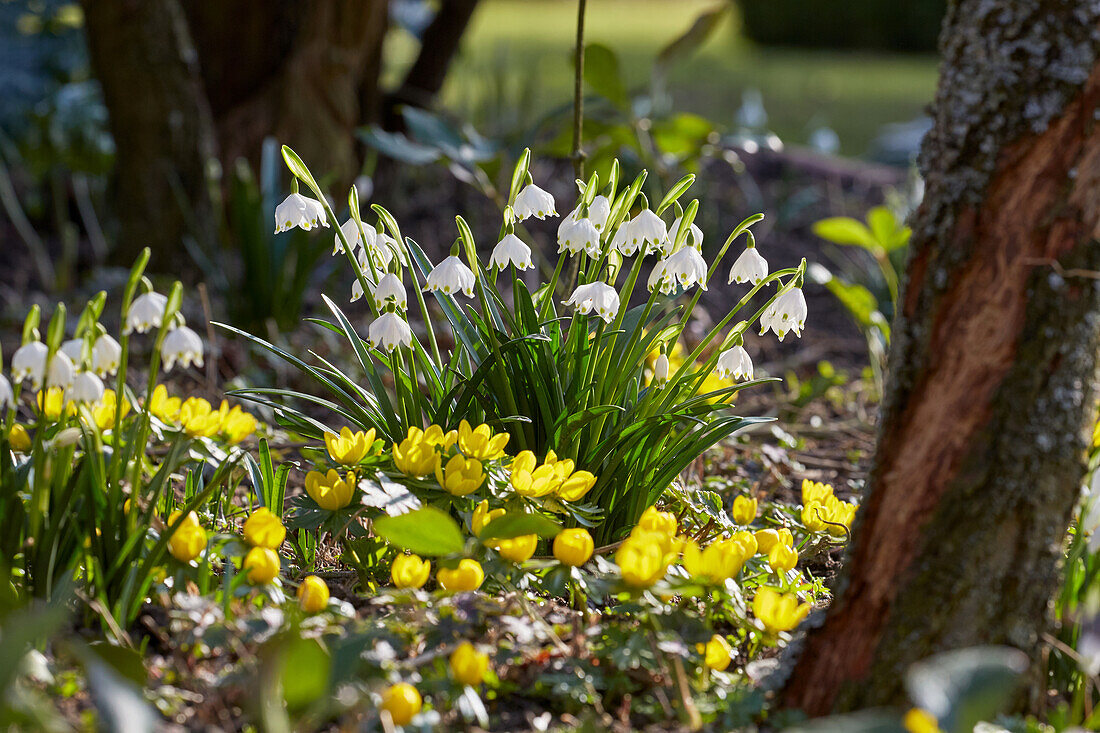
column 993, row 370
column 142, row 55
column 304, row 72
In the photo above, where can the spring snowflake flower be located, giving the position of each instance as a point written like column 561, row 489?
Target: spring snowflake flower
column 7, row 396
column 660, row 370
column 694, row 235
column 106, row 355
column 74, row 349
column 687, row 267
column 598, row 211
column 29, row 362
column 351, row 233
column 389, row 289
column 659, row 279
column 579, row 236
column 734, row 363
column 147, row 311
column 511, row 250
column 86, row 388
column 299, row 211
column 750, row 267
column 786, row 313
column 644, row 229
column 599, row 297
column 182, row 345
column 389, row 331
column 533, row 201
column 451, row 276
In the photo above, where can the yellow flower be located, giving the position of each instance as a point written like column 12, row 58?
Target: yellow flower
column 778, row 611
column 264, row 529
column 573, row 546
column 748, row 542
column 815, row 492
column 655, row 521
column 813, row 517
column 921, row 721
column 642, row 558
column 313, row 594
column 103, row 412
column 576, row 486
column 402, row 702
column 236, row 424
column 409, row 571
column 716, row 652
column 329, row 490
column 483, row 516
column 165, row 408
column 19, row 439
column 198, row 418
column 518, row 549
column 744, row 510
column 468, row 665
column 460, row 476
column 766, row 539
column 467, row 576
column 839, row 513
column 435, row 435
column 480, row 443
column 720, row 560
column 349, row 448
column 527, row 480
column 782, row 558
column 415, row 455
column 53, row 403
column 261, row 564
column 188, row 540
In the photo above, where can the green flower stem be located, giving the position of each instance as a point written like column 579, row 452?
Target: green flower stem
column 551, row 288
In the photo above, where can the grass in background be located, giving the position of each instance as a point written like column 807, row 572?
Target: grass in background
column 515, row 65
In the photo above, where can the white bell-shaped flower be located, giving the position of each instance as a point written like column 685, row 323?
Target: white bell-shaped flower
column 750, row 267
column 147, row 311
column 182, row 345
column 598, row 211
column 598, row 297
column 297, row 210
column 660, row 370
column 533, row 201
column 86, row 388
column 357, row 289
column 659, row 279
column 511, row 250
column 61, row 371
column 687, row 267
column 389, row 290
column 74, row 349
column 734, row 363
column 694, row 234
column 106, row 355
column 351, row 233
column 645, row 229
column 451, row 276
column 7, row 396
column 29, row 362
column 389, row 248
column 786, row 313
column 579, row 236
column 389, row 331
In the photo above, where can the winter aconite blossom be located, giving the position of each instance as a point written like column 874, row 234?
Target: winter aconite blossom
column 646, row 229
column 782, row 558
column 451, row 276
column 778, row 611
column 297, row 210
column 787, row 313
column 466, row 576
column 402, row 702
column 416, row 454
column 750, row 267
column 188, row 540
column 147, row 311
column 714, row 564
column 459, row 476
column 576, row 236
column 518, row 549
column 389, row 331
column 716, row 653
column 264, row 529
column 511, row 250
column 349, row 448
column 533, row 201
column 261, row 565
column 531, row 480
column 744, row 510
column 653, row 520
column 574, row 486
column 182, row 345
column 598, row 297
column 573, row 546
column 643, row 559
column 313, row 594
column 410, row 571
column 766, row 539
column 329, row 490
column 734, row 363
column 480, row 442
column 19, row 439
column 468, row 665
column 482, row 516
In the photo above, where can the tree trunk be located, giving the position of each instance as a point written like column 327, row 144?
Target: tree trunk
column 993, row 370
column 142, row 55
column 305, row 72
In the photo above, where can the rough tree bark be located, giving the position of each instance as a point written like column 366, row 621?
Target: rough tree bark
column 993, row 370
column 142, row 55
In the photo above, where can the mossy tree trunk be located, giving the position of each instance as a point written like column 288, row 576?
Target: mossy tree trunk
column 993, row 368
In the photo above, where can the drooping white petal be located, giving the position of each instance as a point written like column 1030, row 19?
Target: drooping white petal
column 511, row 250
column 73, row 348
column 786, row 313
column 29, row 362
column 452, row 276
column 106, row 355
column 646, row 229
column 734, row 363
column 297, row 210
column 86, row 388
column 351, row 233
column 61, row 371
column 182, row 345
column 7, row 396
column 750, row 267
column 598, row 297
column 598, row 211
column 390, row 289
column 389, row 331
column 356, row 290
column 579, row 236
column 147, row 311
column 659, row 278
column 660, row 370
column 694, row 235
column 533, row 201
column 687, row 267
